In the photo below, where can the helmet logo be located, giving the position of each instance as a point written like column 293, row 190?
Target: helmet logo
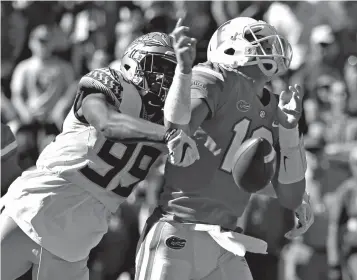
column 234, row 37
column 157, row 39
column 249, row 50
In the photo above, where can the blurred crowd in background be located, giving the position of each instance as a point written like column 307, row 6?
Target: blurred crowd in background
column 47, row 46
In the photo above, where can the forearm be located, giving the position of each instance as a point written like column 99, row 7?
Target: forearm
column 290, row 196
column 177, row 109
column 289, row 182
column 117, row 126
column 124, row 128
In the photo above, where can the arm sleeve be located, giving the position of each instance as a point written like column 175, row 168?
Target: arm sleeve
column 207, row 84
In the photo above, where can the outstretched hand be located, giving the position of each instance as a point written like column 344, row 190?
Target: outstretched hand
column 305, row 216
column 290, row 106
column 184, row 46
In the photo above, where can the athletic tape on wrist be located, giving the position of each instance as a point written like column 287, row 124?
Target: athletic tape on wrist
column 177, row 108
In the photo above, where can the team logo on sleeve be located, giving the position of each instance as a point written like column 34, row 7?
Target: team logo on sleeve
column 176, row 243
column 243, row 106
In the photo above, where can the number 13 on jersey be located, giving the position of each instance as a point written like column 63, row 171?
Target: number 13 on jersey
column 240, row 134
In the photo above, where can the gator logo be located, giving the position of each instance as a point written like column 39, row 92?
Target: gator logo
column 176, row 243
column 243, row 106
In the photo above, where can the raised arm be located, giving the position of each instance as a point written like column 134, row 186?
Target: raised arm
column 180, row 111
column 289, row 182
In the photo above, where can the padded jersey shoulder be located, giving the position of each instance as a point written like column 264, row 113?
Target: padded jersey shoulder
column 208, row 83
column 209, row 69
column 104, row 80
column 208, row 73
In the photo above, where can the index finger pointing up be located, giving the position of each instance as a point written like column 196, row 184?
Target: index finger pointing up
column 178, row 23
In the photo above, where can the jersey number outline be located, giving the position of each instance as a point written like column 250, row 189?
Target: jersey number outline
column 119, row 163
column 240, row 130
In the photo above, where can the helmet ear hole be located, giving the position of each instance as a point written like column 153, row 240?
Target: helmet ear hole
column 230, row 51
column 127, row 67
column 248, row 36
column 268, row 66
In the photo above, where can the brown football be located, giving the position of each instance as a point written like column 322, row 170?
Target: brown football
column 254, row 164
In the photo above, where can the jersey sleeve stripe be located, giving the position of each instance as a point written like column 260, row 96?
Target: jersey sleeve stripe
column 7, row 149
column 208, row 71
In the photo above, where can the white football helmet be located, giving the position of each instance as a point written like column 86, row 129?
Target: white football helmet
column 245, row 41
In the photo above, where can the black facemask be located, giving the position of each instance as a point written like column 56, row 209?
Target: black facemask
column 158, row 74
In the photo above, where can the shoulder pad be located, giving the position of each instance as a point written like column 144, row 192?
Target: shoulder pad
column 209, row 69
column 105, row 80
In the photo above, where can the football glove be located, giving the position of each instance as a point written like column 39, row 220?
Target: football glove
column 182, row 148
column 305, row 216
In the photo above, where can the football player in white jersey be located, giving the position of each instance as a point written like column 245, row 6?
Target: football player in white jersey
column 54, row 215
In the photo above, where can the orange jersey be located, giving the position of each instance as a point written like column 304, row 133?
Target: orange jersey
column 205, row 192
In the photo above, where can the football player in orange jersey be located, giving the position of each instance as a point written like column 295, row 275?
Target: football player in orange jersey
column 113, row 135
column 192, row 234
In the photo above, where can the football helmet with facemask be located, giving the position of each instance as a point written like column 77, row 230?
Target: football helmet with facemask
column 149, row 63
column 245, row 41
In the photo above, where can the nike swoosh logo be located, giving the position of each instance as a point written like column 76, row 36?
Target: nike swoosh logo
column 152, row 104
column 275, row 124
column 285, row 158
column 185, row 146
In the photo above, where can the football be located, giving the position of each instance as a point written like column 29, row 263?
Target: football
column 254, row 164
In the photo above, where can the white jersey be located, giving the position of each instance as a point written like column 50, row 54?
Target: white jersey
column 83, row 156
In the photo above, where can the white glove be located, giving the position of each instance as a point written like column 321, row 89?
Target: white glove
column 305, row 216
column 182, row 149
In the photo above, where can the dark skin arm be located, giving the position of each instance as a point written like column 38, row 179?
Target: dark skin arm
column 116, row 126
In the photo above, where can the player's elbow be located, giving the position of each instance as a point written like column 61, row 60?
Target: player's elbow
column 291, row 195
column 105, row 129
column 116, row 129
column 110, row 131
